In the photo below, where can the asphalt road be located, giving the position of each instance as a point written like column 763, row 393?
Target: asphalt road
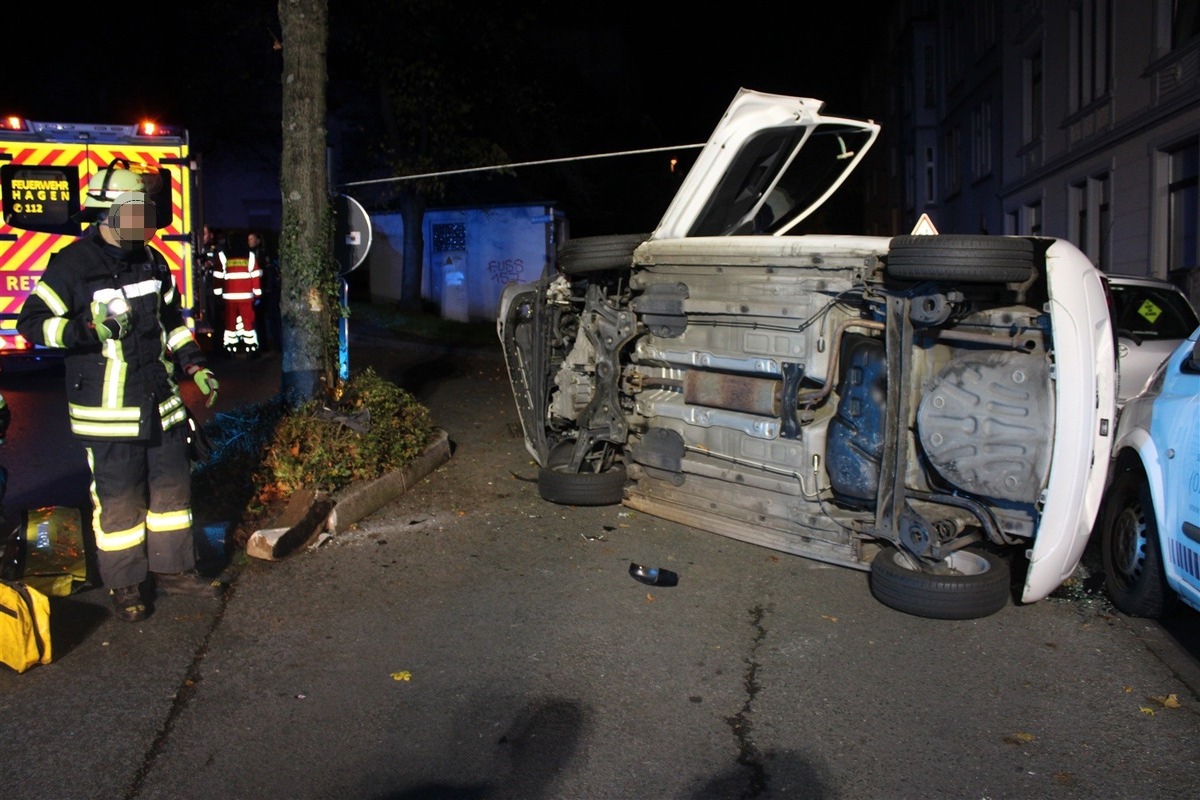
column 472, row 641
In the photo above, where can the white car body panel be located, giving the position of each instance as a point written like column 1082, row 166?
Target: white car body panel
column 1083, row 349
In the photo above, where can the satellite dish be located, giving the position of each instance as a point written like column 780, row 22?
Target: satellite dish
column 351, row 233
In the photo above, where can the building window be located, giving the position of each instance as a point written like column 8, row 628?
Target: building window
column 930, row 175
column 985, row 25
column 908, row 184
column 953, row 156
column 1033, row 98
column 1185, row 22
column 1091, row 219
column 1091, row 51
column 1183, row 207
column 981, row 140
column 954, row 43
column 930, row 77
column 1029, row 219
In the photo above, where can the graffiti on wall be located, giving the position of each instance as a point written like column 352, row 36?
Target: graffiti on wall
column 504, row 270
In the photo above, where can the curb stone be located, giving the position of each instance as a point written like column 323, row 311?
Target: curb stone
column 309, row 514
column 363, row 498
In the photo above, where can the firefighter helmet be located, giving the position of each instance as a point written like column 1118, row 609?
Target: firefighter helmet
column 111, row 181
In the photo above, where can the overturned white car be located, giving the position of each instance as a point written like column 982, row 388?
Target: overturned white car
column 922, row 407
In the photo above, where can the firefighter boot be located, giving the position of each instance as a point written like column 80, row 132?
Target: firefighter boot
column 187, row 583
column 128, row 604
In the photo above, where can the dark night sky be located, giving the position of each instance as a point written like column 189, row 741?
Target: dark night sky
column 626, row 75
column 685, row 64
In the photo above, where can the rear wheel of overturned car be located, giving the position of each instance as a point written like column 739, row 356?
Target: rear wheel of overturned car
column 970, row 259
column 598, row 253
column 559, row 484
column 975, row 584
column 1133, row 561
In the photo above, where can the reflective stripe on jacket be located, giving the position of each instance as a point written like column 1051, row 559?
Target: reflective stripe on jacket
column 239, row 278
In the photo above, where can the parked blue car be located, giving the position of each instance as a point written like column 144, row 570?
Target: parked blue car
column 1150, row 524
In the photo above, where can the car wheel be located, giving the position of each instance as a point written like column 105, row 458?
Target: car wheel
column 977, row 586
column 971, row 259
column 598, row 253
column 557, row 484
column 1129, row 543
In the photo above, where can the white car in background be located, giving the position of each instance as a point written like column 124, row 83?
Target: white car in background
column 1150, row 528
column 1152, row 317
column 931, row 409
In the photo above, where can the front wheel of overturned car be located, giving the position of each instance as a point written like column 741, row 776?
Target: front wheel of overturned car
column 558, row 484
column 1133, row 561
column 974, row 584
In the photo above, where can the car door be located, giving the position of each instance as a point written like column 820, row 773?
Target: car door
column 771, row 162
column 1175, row 425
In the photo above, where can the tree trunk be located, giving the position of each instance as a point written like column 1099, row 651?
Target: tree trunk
column 307, row 272
column 412, row 214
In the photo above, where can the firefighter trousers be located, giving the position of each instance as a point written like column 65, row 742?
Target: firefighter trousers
column 141, row 507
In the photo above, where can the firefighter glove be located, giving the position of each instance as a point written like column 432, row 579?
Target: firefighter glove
column 206, row 382
column 109, row 325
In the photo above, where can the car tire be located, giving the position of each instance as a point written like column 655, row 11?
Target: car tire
column 557, row 484
column 980, row 588
column 1133, row 561
column 970, row 259
column 598, row 253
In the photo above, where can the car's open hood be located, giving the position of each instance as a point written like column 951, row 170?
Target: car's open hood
column 771, row 162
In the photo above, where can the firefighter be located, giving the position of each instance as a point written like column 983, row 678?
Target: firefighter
column 110, row 301
column 212, row 243
column 239, row 284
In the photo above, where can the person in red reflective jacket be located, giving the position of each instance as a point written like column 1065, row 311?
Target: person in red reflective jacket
column 238, row 281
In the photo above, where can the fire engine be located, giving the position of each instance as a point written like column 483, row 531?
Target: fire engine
column 44, row 171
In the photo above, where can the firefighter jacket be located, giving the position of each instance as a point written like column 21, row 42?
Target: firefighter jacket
column 118, row 389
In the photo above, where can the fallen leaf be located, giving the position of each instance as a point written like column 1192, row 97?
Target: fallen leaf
column 402, row 675
column 1168, row 701
column 461, row 513
column 1127, row 689
column 829, row 617
column 1149, row 712
column 1019, row 738
column 1064, row 779
column 649, row 597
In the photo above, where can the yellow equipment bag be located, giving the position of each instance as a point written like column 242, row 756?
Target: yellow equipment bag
column 24, row 625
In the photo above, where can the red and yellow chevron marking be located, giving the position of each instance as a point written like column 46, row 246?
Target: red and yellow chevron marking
column 22, row 261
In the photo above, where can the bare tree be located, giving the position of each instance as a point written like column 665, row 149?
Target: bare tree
column 308, row 270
